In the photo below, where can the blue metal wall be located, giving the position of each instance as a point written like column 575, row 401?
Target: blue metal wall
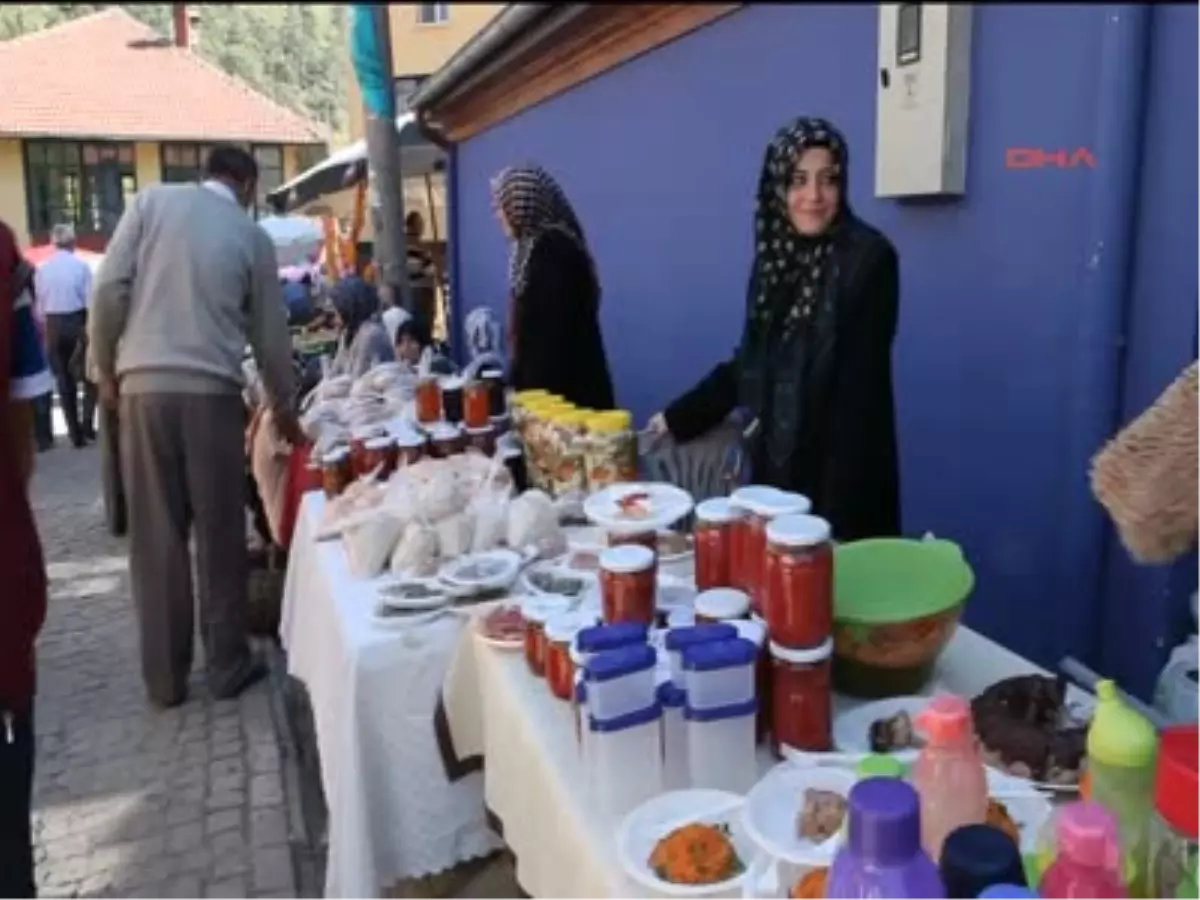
column 660, row 158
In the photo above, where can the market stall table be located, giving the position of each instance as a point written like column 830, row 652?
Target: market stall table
column 535, row 785
column 393, row 813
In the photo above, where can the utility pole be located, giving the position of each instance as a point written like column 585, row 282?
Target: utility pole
column 371, row 45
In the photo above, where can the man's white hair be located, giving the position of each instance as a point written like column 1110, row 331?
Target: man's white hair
column 62, row 235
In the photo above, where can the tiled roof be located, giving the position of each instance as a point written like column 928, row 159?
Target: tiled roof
column 109, row 76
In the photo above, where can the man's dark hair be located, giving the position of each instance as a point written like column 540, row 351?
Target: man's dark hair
column 414, row 224
column 415, row 330
column 232, row 163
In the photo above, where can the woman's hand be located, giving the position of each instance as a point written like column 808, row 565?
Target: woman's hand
column 657, row 425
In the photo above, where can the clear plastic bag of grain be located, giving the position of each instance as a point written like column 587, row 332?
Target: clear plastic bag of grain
column 1146, row 477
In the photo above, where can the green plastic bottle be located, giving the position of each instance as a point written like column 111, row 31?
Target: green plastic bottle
column 1122, row 749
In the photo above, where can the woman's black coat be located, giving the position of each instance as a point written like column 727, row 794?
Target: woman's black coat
column 558, row 346
column 839, row 405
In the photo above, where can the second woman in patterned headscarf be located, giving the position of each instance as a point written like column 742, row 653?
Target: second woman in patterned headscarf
column 814, row 364
column 553, row 325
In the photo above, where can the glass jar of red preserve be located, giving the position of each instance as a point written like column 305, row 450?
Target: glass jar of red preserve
column 560, row 634
column 798, row 600
column 477, row 411
column 537, row 612
column 762, row 504
column 379, row 456
column 410, row 449
column 628, row 584
column 714, row 533
column 429, row 400
column 802, row 698
column 336, row 471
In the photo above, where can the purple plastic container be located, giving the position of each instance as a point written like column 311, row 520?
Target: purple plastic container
column 883, row 856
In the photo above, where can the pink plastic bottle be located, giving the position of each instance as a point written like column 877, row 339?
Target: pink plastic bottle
column 949, row 773
column 1088, row 861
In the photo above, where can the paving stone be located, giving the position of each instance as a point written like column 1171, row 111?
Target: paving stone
column 233, row 887
column 268, row 827
column 273, row 869
column 223, row 820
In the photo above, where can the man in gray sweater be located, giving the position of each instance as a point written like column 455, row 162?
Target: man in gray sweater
column 187, row 282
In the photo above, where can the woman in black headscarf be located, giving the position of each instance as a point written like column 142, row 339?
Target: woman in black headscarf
column 814, row 365
column 554, row 326
column 364, row 342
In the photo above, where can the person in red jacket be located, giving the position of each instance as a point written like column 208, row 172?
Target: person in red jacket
column 23, row 378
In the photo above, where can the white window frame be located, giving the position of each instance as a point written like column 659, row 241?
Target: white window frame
column 433, row 13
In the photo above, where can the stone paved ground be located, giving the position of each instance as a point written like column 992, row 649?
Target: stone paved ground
column 132, row 801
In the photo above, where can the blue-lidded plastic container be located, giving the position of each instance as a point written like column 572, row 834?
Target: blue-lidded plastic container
column 599, row 638
column 679, row 639
column 620, row 681
column 721, row 746
column 720, row 673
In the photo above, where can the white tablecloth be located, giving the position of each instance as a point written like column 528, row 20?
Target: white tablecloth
column 392, row 812
column 564, row 845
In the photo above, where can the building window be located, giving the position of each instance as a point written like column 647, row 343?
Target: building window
column 309, row 155
column 183, row 163
column 405, row 88
column 433, row 13
column 85, row 184
column 270, row 173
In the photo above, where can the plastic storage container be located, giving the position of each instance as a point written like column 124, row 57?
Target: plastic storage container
column 1121, row 750
column 1171, row 839
column 713, row 534
column 802, row 698
column 672, row 699
column 882, row 856
column 720, row 747
column 620, row 681
column 680, row 639
column 719, row 673
column 722, row 605
column 798, row 581
column 628, row 584
column 624, row 759
column 761, row 505
column 755, row 631
column 1088, row 858
column 949, row 775
column 599, row 638
column 975, row 857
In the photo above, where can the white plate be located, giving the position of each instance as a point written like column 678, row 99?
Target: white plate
column 774, row 805
column 642, row 829
column 434, row 601
column 499, row 570
column 667, row 505
column 593, row 539
column 410, row 619
column 553, row 567
column 851, row 729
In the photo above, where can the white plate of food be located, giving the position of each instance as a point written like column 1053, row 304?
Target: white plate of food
column 883, row 726
column 555, row 579
column 798, row 814
column 489, row 571
column 502, row 627
column 712, row 819
column 413, row 594
column 637, row 507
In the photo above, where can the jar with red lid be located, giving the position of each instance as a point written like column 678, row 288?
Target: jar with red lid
column 560, row 634
column 802, row 698
column 537, row 612
column 628, row 584
column 336, row 472
column 714, row 536
column 477, row 411
column 721, row 605
column 482, row 440
column 762, row 504
column 410, row 449
column 1172, row 830
column 379, row 456
column 445, row 440
column 798, row 600
column 429, row 400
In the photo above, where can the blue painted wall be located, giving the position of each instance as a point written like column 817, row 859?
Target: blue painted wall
column 660, row 158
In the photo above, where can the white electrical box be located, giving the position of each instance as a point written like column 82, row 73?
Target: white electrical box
column 924, row 99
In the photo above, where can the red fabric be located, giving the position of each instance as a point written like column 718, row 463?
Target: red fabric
column 23, row 599
column 297, row 485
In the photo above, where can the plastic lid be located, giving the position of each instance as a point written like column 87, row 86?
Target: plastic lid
column 623, row 661
column 975, row 857
column 798, row 531
column 751, row 630
column 768, row 501
column 444, row 431
column 380, row 443
column 680, row 638
column 718, row 511
column 540, row 610
column 627, row 559
column 523, row 397
column 885, row 821
column 410, row 439
column 491, row 372
column 879, row 765
column 946, row 721
column 803, row 657
column 892, row 580
column 714, row 655
column 451, row 383
column 671, row 696
column 638, row 717
column 562, row 628
column 1176, row 784
column 609, row 637
column 572, row 418
column 681, row 617
column 622, row 418
column 722, row 603
column 1008, row 892
column 612, row 421
column 482, row 429
column 1119, row 736
column 721, row 713
column 364, row 433
column 333, row 457
column 1089, row 835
